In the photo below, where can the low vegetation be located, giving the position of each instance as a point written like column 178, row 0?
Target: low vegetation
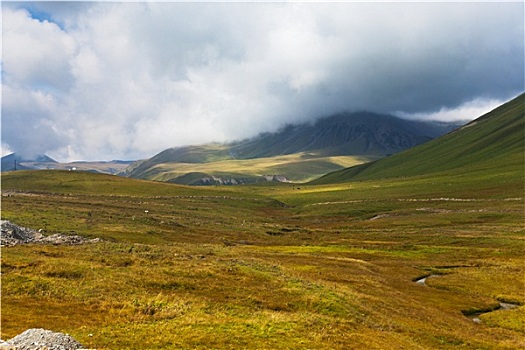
column 298, row 153
column 299, row 167
column 489, row 145
column 265, row 267
column 327, row 265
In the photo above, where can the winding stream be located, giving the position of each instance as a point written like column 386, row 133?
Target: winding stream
column 502, row 306
column 474, row 316
column 423, row 280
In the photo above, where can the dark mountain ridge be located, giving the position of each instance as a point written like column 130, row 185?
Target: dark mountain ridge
column 494, row 141
column 344, row 134
column 360, row 133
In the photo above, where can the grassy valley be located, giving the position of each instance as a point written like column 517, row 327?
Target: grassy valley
column 327, row 265
column 271, row 267
column 299, row 167
column 295, row 153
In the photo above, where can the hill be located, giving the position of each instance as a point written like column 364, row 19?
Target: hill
column 267, row 267
column 43, row 162
column 354, row 137
column 491, row 145
column 16, row 161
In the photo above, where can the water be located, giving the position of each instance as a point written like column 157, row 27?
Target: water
column 423, row 281
column 474, row 316
column 502, row 306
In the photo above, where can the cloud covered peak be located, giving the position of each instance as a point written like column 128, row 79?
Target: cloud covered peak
column 126, row 80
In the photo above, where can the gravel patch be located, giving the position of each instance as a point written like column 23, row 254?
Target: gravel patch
column 41, row 339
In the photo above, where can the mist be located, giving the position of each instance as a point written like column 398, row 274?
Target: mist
column 102, row 81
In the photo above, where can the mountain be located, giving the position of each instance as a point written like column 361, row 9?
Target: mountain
column 365, row 135
column 113, row 167
column 343, row 134
column 492, row 144
column 43, row 162
column 13, row 160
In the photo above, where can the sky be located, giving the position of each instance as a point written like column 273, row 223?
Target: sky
column 126, row 80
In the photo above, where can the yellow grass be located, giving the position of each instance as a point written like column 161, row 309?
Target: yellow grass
column 293, row 166
column 265, row 267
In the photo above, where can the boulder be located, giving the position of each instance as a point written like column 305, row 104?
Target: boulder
column 13, row 234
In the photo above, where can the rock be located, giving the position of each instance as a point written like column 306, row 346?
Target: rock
column 12, row 234
column 40, row 339
column 66, row 239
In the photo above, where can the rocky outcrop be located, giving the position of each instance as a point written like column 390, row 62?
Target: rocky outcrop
column 12, row 234
column 203, row 179
column 40, row 339
column 275, row 178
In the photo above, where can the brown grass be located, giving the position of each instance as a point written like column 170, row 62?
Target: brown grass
column 208, row 268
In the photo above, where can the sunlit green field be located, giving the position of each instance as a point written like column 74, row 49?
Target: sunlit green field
column 276, row 266
column 295, row 167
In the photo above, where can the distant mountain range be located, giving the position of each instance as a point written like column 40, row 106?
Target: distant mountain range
column 14, row 161
column 491, row 146
column 341, row 148
column 365, row 135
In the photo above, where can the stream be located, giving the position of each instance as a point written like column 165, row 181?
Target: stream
column 502, row 306
column 474, row 316
column 423, row 280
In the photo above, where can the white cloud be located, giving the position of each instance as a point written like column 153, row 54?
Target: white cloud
column 467, row 111
column 36, row 53
column 126, row 80
column 5, row 150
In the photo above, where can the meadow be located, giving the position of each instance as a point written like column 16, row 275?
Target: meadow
column 298, row 167
column 273, row 266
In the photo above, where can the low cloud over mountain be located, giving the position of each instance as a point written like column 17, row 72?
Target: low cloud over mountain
column 126, row 80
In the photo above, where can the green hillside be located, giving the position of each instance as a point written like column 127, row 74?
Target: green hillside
column 491, row 144
column 310, row 148
column 298, row 167
column 343, row 134
column 279, row 266
column 283, row 266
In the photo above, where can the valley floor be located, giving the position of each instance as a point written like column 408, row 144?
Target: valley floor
column 268, row 267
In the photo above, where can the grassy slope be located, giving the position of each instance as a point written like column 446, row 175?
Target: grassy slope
column 113, row 207
column 489, row 145
column 342, row 134
column 296, row 167
column 191, row 154
column 234, row 268
column 370, row 135
column 331, row 268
